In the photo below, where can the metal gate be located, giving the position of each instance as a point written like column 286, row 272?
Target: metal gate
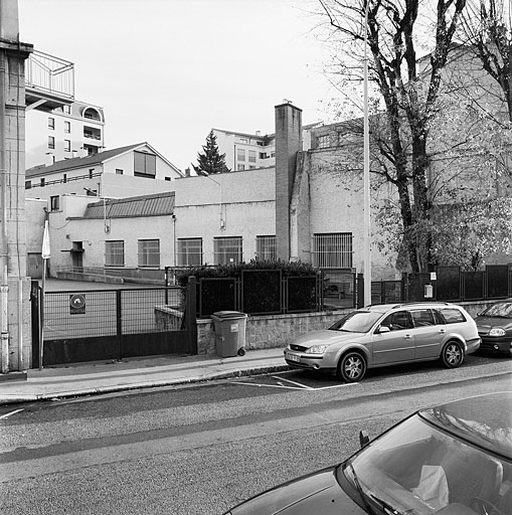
column 91, row 325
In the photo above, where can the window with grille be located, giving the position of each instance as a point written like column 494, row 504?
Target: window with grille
column 266, row 247
column 227, row 250
column 149, row 253
column 190, row 251
column 114, row 253
column 240, row 154
column 251, row 156
column 323, row 141
column 144, row 165
column 332, row 250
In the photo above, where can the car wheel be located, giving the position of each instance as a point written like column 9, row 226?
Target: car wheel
column 452, row 355
column 352, row 367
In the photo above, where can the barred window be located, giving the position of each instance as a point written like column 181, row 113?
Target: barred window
column 227, row 250
column 323, row 141
column 190, row 251
column 332, row 250
column 240, row 154
column 252, row 156
column 114, row 253
column 266, row 247
column 149, row 253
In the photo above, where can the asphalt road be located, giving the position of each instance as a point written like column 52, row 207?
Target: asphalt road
column 201, row 449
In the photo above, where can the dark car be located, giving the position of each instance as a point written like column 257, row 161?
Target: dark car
column 495, row 328
column 453, row 459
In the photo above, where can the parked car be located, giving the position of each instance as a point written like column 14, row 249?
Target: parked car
column 453, row 459
column 495, row 327
column 387, row 334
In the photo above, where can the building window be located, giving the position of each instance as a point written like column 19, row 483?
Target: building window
column 240, row 154
column 67, row 109
column 332, row 250
column 323, row 141
column 28, row 185
column 168, row 179
column 227, row 250
column 241, row 167
column 91, row 172
column 266, row 247
column 67, row 145
column 190, row 251
column 42, row 181
column 114, row 253
column 65, row 178
column 251, row 156
column 149, row 253
column 144, row 165
column 51, row 142
column 54, row 203
column 263, row 155
column 67, row 127
column 119, row 171
column 243, row 140
column 51, row 123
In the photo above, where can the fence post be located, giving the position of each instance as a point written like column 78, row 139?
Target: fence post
column 191, row 310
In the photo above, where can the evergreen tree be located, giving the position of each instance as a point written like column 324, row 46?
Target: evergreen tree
column 210, row 160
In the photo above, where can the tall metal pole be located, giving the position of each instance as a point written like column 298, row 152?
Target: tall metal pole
column 366, row 174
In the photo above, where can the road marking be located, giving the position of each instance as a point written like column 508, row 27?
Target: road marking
column 11, row 413
column 265, row 385
column 299, row 385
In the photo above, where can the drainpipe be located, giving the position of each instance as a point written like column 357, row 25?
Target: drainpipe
column 4, row 285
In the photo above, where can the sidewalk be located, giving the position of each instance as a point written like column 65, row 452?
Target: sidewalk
column 134, row 373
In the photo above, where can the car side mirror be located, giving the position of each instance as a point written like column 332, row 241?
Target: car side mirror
column 383, row 329
column 364, row 439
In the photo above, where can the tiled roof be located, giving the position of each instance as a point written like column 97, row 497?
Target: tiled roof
column 79, row 162
column 147, row 205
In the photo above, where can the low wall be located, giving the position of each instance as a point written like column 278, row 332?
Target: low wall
column 264, row 332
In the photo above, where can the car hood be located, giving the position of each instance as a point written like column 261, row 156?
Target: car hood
column 315, row 493
column 326, row 337
column 485, row 323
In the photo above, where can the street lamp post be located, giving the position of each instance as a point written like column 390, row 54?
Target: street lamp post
column 366, row 173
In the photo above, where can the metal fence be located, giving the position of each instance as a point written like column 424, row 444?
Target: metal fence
column 259, row 292
column 68, row 314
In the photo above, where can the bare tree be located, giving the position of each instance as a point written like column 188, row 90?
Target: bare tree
column 486, row 29
column 409, row 88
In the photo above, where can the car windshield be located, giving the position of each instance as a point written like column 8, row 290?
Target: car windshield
column 417, row 469
column 502, row 309
column 356, row 322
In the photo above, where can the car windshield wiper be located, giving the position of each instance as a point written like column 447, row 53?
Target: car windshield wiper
column 357, row 484
column 390, row 510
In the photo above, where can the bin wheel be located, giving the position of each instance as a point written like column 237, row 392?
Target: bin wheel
column 241, row 352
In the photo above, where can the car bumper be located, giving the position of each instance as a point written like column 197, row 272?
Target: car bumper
column 307, row 361
column 473, row 345
column 497, row 345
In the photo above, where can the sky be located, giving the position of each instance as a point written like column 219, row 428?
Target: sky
column 168, row 71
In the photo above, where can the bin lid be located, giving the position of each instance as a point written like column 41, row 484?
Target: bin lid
column 225, row 315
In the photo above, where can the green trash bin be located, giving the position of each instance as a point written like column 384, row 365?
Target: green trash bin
column 229, row 327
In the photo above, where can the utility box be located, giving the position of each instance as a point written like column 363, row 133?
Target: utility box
column 229, row 327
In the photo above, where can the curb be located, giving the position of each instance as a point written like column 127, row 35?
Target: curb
column 85, row 392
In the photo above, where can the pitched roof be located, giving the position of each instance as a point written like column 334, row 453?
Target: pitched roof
column 159, row 204
column 80, row 162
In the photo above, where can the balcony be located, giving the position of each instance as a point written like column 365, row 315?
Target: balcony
column 49, row 82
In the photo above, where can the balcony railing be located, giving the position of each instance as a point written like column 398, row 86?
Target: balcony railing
column 50, row 75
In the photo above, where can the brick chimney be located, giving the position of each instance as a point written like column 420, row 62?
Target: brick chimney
column 288, row 120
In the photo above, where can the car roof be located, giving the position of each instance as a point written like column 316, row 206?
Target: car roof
column 382, row 308
column 484, row 420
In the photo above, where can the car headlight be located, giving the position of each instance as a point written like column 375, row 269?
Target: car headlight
column 317, row 349
column 497, row 331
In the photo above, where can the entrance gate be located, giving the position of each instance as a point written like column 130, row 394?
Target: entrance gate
column 93, row 325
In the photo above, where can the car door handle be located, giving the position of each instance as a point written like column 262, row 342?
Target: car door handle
column 407, row 337
column 442, row 331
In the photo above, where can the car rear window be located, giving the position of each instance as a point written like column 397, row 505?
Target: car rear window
column 452, row 315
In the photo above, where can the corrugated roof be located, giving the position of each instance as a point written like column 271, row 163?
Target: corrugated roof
column 147, row 205
column 79, row 162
